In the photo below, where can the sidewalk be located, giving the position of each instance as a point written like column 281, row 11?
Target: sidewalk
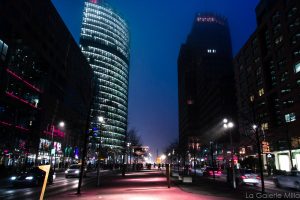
column 146, row 185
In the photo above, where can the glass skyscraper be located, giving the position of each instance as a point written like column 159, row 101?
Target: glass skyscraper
column 105, row 43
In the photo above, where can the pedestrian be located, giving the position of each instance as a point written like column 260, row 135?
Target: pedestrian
column 269, row 169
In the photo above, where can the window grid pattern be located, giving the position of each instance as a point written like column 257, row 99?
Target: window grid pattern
column 105, row 43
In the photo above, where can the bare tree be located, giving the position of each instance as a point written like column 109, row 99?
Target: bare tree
column 133, row 137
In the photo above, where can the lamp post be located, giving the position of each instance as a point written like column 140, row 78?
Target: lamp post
column 255, row 128
column 60, row 124
column 229, row 125
column 128, row 150
column 101, row 121
column 173, row 152
column 212, row 158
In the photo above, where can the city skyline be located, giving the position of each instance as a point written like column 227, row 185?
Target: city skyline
column 112, row 99
column 157, row 33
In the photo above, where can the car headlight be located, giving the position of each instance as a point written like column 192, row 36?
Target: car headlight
column 77, row 172
column 67, row 171
column 13, row 178
column 29, row 178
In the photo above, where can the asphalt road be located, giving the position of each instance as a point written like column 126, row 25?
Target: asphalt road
column 270, row 186
column 60, row 185
column 135, row 184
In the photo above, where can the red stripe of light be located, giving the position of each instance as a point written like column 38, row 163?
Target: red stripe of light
column 22, row 128
column 22, row 100
column 24, row 81
column 5, row 123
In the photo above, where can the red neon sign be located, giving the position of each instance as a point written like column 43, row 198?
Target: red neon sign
column 56, row 132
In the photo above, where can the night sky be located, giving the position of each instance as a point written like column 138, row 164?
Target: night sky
column 158, row 28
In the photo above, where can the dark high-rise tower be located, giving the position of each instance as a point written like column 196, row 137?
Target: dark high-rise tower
column 105, row 43
column 205, row 78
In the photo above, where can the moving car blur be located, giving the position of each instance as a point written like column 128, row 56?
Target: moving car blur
column 247, row 176
column 288, row 180
column 31, row 177
column 210, row 171
column 74, row 171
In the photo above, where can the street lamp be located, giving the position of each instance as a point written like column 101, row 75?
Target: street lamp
column 129, row 150
column 61, row 125
column 255, row 128
column 162, row 157
column 229, row 125
column 101, row 121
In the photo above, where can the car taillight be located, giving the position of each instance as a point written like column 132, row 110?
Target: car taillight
column 258, row 177
column 210, row 172
column 243, row 177
column 219, row 172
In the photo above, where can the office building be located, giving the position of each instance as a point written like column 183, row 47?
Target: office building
column 104, row 41
column 267, row 73
column 205, row 83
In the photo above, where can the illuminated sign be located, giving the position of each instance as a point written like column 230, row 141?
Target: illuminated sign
column 265, row 147
column 56, row 132
column 209, row 19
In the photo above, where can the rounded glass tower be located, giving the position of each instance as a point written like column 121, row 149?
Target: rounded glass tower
column 104, row 41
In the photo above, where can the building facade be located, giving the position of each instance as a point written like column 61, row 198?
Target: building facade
column 104, row 41
column 205, row 83
column 45, row 79
column 267, row 73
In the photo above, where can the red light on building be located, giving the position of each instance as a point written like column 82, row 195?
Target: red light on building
column 94, row 1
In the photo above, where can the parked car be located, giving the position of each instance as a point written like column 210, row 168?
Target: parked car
column 31, row 177
column 209, row 171
column 290, row 180
column 247, row 176
column 74, row 171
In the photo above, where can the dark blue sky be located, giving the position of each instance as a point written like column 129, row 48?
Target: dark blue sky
column 158, row 28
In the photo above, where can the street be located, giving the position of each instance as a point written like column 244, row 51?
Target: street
column 270, row 186
column 147, row 184
column 59, row 186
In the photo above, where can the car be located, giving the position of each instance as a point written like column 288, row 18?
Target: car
column 247, row 176
column 210, row 171
column 290, row 180
column 74, row 171
column 31, row 177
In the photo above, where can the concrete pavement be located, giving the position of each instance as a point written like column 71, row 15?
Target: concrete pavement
column 144, row 185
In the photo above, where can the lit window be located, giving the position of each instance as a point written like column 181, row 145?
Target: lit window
column 190, row 102
column 211, row 51
column 252, row 98
column 297, row 67
column 265, row 126
column 3, row 50
column 290, row 117
column 261, row 92
column 286, row 90
column 278, row 40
